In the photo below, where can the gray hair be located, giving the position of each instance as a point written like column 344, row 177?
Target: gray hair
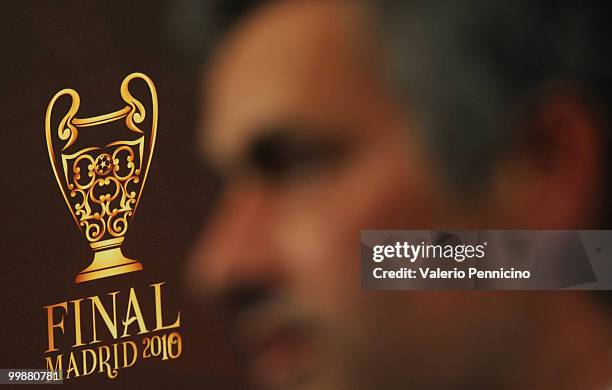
column 467, row 65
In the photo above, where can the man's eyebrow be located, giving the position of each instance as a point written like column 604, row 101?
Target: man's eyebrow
column 271, row 148
column 266, row 141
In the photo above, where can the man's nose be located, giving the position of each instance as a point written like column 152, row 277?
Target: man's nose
column 236, row 248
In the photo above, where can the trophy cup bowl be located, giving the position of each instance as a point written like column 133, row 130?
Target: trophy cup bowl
column 102, row 184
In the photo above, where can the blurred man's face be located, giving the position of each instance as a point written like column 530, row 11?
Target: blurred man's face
column 314, row 149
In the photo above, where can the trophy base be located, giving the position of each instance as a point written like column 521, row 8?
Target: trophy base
column 108, row 262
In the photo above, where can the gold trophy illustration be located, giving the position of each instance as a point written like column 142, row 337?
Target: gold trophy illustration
column 102, row 184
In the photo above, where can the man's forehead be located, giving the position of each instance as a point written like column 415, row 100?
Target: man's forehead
column 279, row 65
column 283, row 30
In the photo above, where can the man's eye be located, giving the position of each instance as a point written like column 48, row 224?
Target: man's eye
column 288, row 158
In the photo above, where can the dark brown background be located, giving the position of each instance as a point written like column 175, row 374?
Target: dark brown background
column 90, row 47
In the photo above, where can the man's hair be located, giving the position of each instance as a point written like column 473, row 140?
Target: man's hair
column 468, row 65
column 199, row 26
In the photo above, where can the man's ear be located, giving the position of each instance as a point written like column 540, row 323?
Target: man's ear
column 551, row 176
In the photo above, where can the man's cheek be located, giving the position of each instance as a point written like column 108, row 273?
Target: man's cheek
column 321, row 255
column 316, row 244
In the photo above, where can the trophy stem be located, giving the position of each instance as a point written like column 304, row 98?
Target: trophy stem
column 108, row 261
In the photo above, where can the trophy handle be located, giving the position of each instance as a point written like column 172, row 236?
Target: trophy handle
column 66, row 131
column 137, row 115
